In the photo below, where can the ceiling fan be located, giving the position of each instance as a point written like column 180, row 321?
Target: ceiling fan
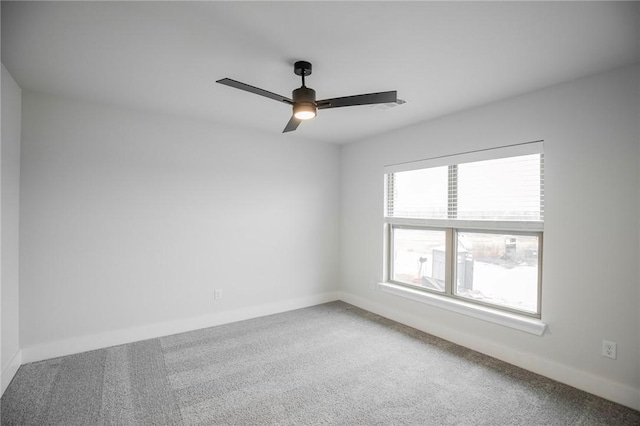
column 304, row 101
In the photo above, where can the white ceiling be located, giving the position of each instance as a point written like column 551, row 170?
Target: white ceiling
column 441, row 57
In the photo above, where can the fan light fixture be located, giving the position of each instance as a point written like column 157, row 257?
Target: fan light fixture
column 304, row 112
column 304, row 102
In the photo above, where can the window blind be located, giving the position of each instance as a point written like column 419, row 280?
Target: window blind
column 504, row 185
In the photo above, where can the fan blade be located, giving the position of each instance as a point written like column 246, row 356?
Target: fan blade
column 291, row 125
column 251, row 89
column 367, row 99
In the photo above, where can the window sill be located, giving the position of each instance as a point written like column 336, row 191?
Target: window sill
column 528, row 325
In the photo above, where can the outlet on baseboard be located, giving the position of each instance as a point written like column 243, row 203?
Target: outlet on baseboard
column 609, row 349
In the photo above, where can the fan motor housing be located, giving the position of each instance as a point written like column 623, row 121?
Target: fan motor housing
column 304, row 95
column 304, row 103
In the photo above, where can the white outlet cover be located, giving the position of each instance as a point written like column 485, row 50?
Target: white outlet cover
column 609, row 349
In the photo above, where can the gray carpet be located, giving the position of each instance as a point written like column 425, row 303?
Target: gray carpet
column 328, row 364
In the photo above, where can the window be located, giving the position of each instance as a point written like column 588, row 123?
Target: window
column 469, row 226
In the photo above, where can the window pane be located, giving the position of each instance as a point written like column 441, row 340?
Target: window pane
column 499, row 269
column 419, row 194
column 502, row 189
column 419, row 257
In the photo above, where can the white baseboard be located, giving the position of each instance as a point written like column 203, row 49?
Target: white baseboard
column 613, row 391
column 135, row 334
column 10, row 370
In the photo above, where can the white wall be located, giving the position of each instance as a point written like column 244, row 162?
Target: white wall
column 590, row 266
column 130, row 220
column 10, row 155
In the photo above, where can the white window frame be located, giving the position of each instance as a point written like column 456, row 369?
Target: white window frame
column 526, row 321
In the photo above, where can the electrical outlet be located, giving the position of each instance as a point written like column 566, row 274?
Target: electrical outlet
column 609, row 349
column 217, row 294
